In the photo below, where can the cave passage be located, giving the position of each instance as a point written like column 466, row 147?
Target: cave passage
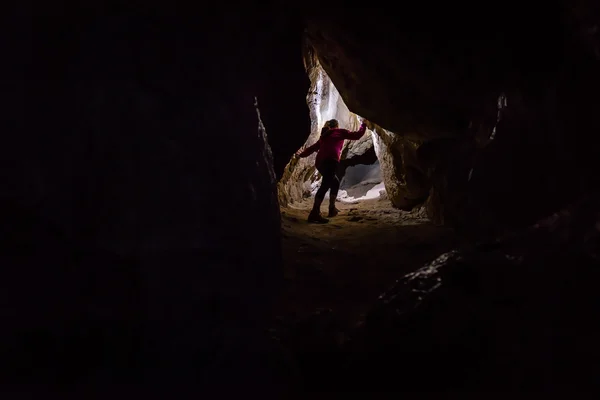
column 343, row 266
column 359, row 171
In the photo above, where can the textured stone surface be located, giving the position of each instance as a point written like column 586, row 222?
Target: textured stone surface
column 354, row 148
column 402, row 174
column 141, row 230
column 405, row 181
column 505, row 315
column 441, row 86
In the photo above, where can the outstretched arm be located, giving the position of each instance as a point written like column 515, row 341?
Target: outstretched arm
column 309, row 150
column 358, row 134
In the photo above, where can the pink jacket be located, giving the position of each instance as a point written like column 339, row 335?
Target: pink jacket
column 330, row 146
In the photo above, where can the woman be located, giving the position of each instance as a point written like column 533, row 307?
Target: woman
column 329, row 146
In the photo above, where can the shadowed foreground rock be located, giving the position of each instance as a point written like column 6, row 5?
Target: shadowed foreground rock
column 516, row 314
column 140, row 226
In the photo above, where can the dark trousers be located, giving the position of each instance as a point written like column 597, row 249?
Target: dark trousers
column 328, row 168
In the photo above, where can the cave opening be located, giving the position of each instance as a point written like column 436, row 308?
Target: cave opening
column 342, row 266
column 361, row 174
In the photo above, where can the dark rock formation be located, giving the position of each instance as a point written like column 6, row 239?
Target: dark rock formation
column 504, row 315
column 430, row 78
column 141, row 231
column 405, row 181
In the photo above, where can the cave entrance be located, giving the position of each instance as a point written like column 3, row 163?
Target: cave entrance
column 382, row 230
column 360, row 172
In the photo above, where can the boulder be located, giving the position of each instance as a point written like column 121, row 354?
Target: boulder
column 503, row 315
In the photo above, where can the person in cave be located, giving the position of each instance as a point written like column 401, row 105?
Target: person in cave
column 329, row 147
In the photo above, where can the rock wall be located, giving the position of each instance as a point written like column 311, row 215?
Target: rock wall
column 440, row 88
column 503, row 315
column 405, row 183
column 141, row 230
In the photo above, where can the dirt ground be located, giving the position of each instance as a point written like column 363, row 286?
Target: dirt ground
column 346, row 264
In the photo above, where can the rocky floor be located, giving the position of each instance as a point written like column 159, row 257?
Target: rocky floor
column 344, row 265
column 512, row 314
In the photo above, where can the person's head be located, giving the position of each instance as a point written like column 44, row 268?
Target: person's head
column 329, row 125
column 325, row 129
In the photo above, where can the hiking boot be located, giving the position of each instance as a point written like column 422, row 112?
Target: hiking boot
column 316, row 218
column 333, row 212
